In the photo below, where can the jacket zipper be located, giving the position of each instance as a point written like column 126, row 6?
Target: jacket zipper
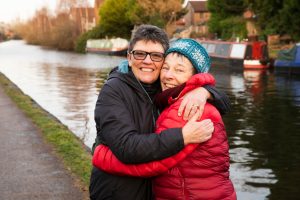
column 153, row 116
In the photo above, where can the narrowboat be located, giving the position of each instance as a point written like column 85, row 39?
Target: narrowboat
column 288, row 61
column 112, row 47
column 241, row 55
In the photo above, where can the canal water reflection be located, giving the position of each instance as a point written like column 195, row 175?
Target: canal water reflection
column 65, row 84
column 263, row 126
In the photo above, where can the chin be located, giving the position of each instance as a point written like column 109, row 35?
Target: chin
column 147, row 81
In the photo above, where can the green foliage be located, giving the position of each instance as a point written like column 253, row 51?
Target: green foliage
column 290, row 19
column 226, row 20
column 277, row 17
column 267, row 15
column 114, row 18
column 80, row 43
column 96, row 32
column 226, row 8
column 233, row 27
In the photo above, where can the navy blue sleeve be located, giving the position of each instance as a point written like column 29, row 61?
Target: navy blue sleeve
column 220, row 99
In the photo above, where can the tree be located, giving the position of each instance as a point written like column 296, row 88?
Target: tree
column 114, row 18
column 290, row 19
column 267, row 15
column 156, row 12
column 277, row 17
column 226, row 19
column 226, row 8
column 63, row 34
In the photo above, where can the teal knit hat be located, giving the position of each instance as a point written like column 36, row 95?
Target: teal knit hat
column 193, row 51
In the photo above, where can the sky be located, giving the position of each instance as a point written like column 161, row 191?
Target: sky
column 10, row 10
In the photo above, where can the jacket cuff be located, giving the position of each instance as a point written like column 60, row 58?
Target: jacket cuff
column 177, row 135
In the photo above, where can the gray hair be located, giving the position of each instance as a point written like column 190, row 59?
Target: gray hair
column 149, row 33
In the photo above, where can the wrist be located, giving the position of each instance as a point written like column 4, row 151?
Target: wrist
column 209, row 94
column 185, row 136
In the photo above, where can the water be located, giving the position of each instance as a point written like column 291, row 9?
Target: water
column 65, row 84
column 263, row 126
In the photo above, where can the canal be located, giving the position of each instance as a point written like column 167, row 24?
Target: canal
column 263, row 127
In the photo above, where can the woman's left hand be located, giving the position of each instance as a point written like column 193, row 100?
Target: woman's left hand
column 192, row 101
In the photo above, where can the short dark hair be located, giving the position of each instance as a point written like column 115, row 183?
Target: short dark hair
column 149, row 33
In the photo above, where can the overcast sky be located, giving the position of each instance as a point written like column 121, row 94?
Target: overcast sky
column 23, row 9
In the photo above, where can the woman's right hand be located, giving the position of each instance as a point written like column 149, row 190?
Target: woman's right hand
column 197, row 132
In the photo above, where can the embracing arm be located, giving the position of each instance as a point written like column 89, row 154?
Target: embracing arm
column 105, row 160
column 118, row 130
column 199, row 96
column 219, row 99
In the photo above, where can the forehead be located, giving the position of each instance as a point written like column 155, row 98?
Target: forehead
column 148, row 46
column 175, row 59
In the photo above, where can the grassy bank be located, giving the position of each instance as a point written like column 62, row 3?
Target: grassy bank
column 66, row 145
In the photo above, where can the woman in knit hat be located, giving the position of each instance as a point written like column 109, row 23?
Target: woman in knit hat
column 199, row 171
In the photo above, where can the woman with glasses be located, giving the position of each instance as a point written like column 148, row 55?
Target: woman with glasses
column 125, row 117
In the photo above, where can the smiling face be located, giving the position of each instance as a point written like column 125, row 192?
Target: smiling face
column 146, row 70
column 176, row 70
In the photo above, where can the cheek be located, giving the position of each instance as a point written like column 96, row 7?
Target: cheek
column 183, row 79
column 158, row 66
column 162, row 75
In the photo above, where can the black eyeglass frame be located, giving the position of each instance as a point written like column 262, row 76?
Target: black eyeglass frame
column 148, row 53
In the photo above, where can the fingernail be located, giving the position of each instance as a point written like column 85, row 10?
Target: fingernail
column 179, row 114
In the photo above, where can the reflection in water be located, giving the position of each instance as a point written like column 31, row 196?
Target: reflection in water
column 264, row 134
column 65, row 84
column 263, row 126
column 249, row 181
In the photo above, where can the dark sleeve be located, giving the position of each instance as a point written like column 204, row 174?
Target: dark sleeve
column 118, row 131
column 220, row 99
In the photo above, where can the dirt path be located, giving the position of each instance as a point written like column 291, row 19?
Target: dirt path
column 28, row 168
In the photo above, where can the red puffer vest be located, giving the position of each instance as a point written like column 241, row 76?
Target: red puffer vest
column 199, row 171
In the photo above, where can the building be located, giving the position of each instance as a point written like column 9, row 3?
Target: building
column 197, row 17
column 86, row 18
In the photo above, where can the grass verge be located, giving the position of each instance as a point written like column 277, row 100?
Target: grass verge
column 73, row 153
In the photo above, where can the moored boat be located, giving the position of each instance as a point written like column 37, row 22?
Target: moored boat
column 248, row 55
column 115, row 46
column 288, row 61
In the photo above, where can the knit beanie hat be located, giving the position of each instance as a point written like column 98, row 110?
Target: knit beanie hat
column 193, row 51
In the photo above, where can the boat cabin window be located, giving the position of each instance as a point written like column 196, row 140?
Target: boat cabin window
column 204, row 45
column 238, row 51
column 211, row 48
column 223, row 50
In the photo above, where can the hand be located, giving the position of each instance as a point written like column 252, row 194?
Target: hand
column 193, row 101
column 197, row 132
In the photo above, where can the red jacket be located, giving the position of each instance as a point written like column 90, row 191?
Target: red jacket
column 199, row 171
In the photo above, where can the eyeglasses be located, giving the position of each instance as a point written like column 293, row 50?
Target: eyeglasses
column 154, row 56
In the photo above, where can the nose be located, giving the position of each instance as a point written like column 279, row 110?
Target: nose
column 169, row 74
column 148, row 59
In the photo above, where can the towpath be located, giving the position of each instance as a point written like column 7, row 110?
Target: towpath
column 28, row 168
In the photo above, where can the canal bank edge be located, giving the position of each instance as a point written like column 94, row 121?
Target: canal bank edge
column 75, row 156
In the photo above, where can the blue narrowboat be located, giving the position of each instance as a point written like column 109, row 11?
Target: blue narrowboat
column 288, row 61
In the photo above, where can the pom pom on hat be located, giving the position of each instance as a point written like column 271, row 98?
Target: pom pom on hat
column 193, row 51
